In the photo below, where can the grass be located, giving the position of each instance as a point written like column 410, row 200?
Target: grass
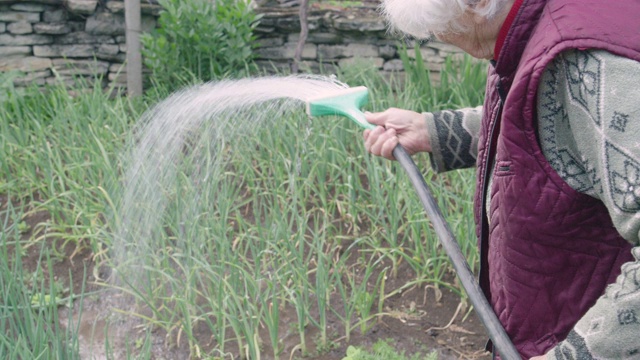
column 383, row 350
column 28, row 313
column 306, row 224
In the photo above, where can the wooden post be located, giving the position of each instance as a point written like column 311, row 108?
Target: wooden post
column 304, row 32
column 134, row 57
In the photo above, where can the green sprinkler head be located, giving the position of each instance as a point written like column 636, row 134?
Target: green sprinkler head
column 343, row 102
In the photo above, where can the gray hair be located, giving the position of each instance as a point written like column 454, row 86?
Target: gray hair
column 425, row 18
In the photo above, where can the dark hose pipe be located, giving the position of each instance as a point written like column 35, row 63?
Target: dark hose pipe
column 488, row 317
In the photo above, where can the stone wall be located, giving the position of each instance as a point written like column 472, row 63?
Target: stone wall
column 55, row 40
column 337, row 37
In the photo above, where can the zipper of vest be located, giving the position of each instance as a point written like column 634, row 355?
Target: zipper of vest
column 484, row 245
column 491, row 148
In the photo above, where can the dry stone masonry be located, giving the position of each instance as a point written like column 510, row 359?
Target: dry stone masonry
column 57, row 40
column 46, row 41
column 337, row 37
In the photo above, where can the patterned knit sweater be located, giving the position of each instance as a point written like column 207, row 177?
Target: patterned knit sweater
column 589, row 131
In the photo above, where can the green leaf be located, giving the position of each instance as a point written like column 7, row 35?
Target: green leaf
column 198, row 37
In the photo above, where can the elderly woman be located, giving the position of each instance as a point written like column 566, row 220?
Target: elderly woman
column 557, row 146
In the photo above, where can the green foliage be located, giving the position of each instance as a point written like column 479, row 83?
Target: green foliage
column 275, row 231
column 462, row 82
column 59, row 153
column 200, row 40
column 383, row 351
column 6, row 83
column 342, row 3
column 28, row 310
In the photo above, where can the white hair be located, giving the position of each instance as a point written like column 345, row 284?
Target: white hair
column 424, row 18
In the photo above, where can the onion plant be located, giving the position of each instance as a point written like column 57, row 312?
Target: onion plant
column 288, row 216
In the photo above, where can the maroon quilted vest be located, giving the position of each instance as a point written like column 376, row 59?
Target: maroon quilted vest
column 549, row 251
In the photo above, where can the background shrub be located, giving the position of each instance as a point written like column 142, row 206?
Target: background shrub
column 200, row 40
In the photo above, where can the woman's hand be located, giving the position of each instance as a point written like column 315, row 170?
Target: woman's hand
column 405, row 127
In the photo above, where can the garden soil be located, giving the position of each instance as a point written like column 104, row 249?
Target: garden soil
column 419, row 320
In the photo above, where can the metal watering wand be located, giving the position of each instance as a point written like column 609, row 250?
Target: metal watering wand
column 347, row 103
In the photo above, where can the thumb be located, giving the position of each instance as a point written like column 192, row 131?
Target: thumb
column 375, row 118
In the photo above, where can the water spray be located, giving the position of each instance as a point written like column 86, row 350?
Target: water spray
column 348, row 102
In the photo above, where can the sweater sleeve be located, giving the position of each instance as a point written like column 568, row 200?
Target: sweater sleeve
column 454, row 138
column 589, row 122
